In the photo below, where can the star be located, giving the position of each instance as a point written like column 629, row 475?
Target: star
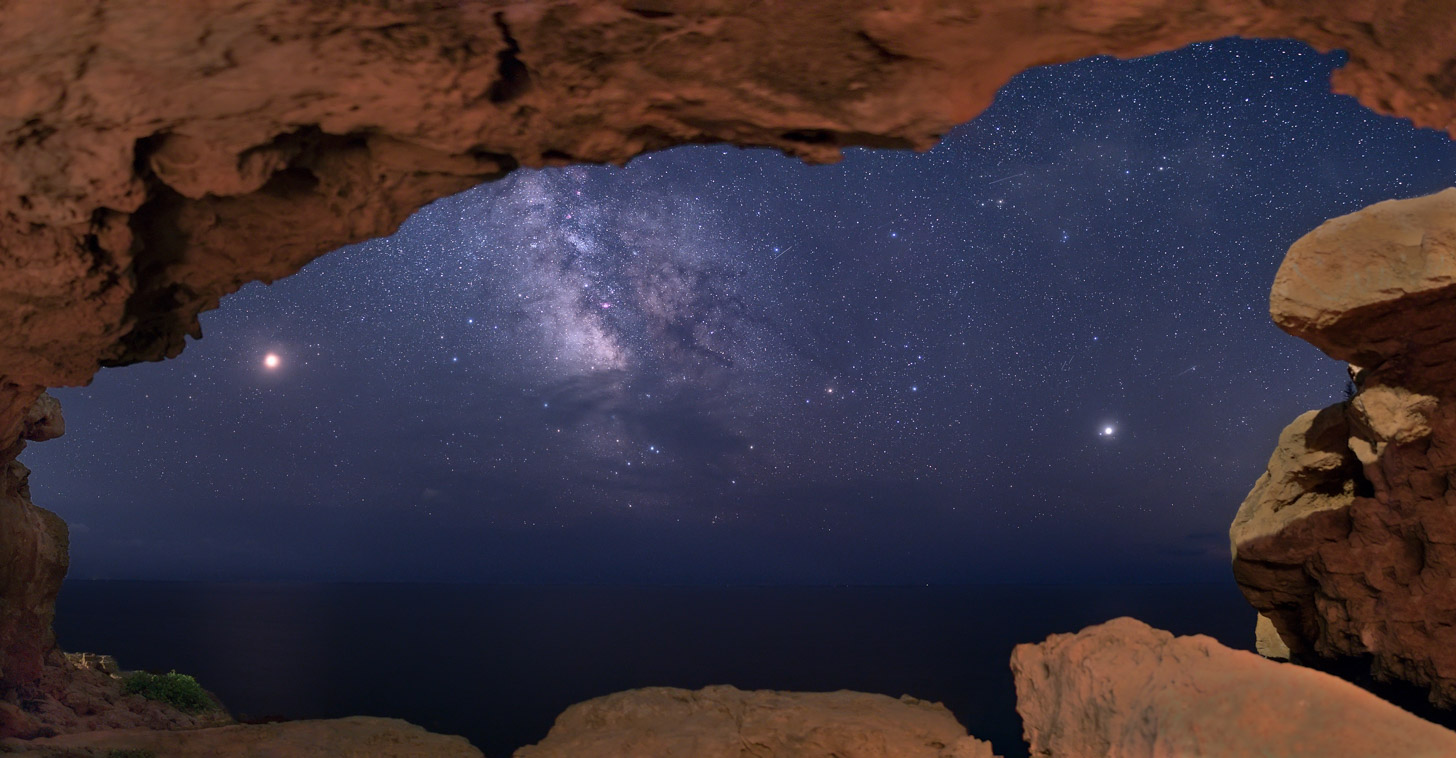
column 271, row 361
column 1107, row 431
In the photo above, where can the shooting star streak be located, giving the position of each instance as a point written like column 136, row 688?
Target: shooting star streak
column 1004, row 178
column 781, row 252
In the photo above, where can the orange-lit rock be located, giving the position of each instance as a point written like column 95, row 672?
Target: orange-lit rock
column 157, row 155
column 1125, row 689
column 355, row 736
column 33, row 557
column 725, row 722
column 1348, row 542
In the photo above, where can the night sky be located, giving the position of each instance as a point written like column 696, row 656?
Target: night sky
column 1040, row 352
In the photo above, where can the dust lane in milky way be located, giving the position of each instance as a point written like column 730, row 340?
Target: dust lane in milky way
column 1040, row 351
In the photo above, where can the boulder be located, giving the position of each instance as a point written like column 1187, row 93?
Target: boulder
column 1347, row 543
column 725, row 722
column 1126, row 689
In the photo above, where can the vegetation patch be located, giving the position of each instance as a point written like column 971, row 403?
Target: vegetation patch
column 177, row 690
column 130, row 754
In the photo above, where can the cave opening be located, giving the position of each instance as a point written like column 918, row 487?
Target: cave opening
column 1037, row 354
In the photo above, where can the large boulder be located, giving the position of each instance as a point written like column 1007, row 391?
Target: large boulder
column 725, row 722
column 1347, row 543
column 1125, row 689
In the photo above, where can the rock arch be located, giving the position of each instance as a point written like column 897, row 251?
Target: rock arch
column 157, row 155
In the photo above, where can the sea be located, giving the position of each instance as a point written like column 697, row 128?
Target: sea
column 497, row 664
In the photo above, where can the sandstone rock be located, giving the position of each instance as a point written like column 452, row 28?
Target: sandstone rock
column 43, row 421
column 1125, row 689
column 724, row 722
column 83, row 693
column 16, row 722
column 33, row 556
column 1348, row 542
column 355, row 737
column 1267, row 641
column 1377, row 285
column 159, row 155
column 94, row 662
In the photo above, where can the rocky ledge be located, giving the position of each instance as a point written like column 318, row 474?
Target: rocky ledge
column 725, row 722
column 33, row 556
column 1125, row 689
column 355, row 737
column 1347, row 544
column 84, row 693
column 1117, row 689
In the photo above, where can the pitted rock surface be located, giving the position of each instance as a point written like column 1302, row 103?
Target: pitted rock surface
column 1348, row 542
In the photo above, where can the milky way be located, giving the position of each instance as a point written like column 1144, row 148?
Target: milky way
column 1039, row 351
column 633, row 315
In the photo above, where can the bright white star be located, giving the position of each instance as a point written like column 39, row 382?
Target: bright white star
column 272, row 361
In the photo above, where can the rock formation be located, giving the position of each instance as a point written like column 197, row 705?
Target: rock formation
column 33, row 557
column 724, row 722
column 1348, row 542
column 357, row 736
column 1267, row 641
column 83, row 693
column 1125, row 689
column 158, row 155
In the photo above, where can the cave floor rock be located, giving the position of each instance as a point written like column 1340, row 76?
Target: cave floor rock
column 726, row 722
column 354, row 737
column 1124, row 688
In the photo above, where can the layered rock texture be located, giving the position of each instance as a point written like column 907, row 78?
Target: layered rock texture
column 158, row 155
column 356, row 737
column 1348, row 543
column 1126, row 689
column 724, row 722
column 33, row 557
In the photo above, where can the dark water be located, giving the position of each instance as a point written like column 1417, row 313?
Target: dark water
column 496, row 664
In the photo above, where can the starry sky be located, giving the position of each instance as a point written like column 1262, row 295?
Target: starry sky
column 1039, row 352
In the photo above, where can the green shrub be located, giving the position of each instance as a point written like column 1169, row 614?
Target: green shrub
column 130, row 754
column 177, row 690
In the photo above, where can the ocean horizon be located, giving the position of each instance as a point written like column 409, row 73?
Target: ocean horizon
column 497, row 663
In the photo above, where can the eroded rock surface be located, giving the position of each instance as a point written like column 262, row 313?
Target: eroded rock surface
column 157, row 155
column 725, row 722
column 355, row 737
column 1348, row 542
column 43, row 691
column 33, row 555
column 1125, row 689
column 83, row 693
